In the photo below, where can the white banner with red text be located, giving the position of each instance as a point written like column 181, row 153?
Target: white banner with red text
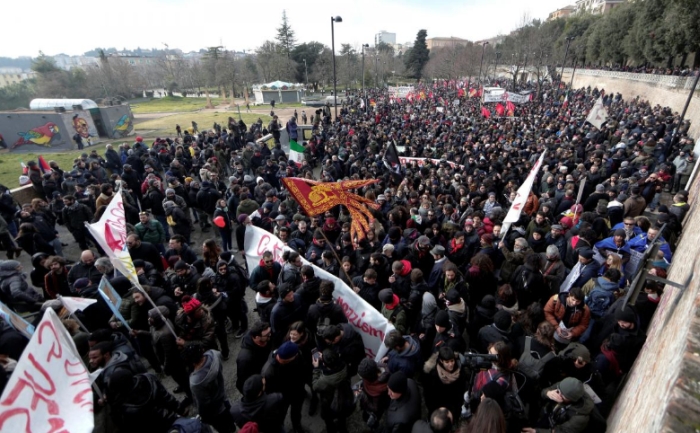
column 521, row 196
column 421, row 161
column 49, row 391
column 366, row 320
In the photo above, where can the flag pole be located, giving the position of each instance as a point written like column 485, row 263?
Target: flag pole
column 336, row 256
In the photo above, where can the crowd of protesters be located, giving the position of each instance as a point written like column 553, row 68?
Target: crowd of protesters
column 524, row 329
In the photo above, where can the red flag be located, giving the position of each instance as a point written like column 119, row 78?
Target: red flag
column 510, row 106
column 500, row 109
column 43, row 165
column 485, row 112
column 316, row 198
column 25, row 169
column 566, row 101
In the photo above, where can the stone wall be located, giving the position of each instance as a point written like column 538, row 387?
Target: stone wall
column 664, row 90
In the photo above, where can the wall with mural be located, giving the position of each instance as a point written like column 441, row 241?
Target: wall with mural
column 80, row 122
column 118, row 120
column 36, row 132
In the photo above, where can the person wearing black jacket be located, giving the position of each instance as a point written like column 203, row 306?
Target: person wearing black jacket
column 145, row 251
column 284, row 373
column 255, row 349
column 227, row 281
column 75, row 215
column 133, row 180
column 405, row 405
column 265, row 409
column 207, row 198
column 346, row 342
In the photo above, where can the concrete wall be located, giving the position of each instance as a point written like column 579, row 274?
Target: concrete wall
column 36, row 131
column 118, row 120
column 664, row 90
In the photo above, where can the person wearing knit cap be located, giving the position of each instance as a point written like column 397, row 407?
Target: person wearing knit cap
column 593, row 199
column 419, row 255
column 265, row 410
column 195, row 324
column 393, row 311
column 284, row 372
column 405, row 405
column 567, row 407
column 499, row 330
column 615, row 244
column 445, row 335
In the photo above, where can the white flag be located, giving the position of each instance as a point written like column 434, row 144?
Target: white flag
column 598, row 114
column 50, row 388
column 74, row 304
column 521, row 196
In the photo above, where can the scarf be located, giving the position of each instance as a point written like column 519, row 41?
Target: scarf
column 374, row 389
column 454, row 247
column 447, row 377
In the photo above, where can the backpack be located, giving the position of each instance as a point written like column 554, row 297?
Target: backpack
column 514, row 408
column 322, row 323
column 599, row 301
column 242, row 273
column 530, row 362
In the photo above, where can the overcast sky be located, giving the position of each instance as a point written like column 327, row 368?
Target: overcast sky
column 80, row 25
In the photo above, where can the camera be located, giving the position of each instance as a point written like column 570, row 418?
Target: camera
column 478, row 361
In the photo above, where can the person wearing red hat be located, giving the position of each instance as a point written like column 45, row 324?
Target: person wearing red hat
column 195, row 324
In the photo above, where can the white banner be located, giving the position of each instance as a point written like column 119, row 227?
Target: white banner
column 515, row 98
column 598, row 114
column 366, row 320
column 421, row 161
column 49, row 391
column 522, row 194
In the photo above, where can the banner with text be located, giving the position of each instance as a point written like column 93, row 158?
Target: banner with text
column 421, row 161
column 366, row 320
column 49, row 391
column 515, row 98
column 521, row 196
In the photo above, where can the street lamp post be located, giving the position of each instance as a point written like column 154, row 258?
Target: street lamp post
column 337, row 19
column 483, row 49
column 363, row 68
column 306, row 70
column 566, row 53
column 495, row 66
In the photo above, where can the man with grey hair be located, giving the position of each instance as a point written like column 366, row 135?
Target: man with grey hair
column 104, row 266
column 553, row 268
column 514, row 258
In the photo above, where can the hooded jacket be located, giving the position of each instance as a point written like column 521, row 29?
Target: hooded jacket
column 409, row 361
column 14, row 284
column 207, row 385
column 262, row 273
column 574, row 417
column 403, row 412
column 268, row 411
column 147, row 408
column 320, row 310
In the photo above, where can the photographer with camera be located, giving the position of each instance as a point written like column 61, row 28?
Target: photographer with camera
column 567, row 408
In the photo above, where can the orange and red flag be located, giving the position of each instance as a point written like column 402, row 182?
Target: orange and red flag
column 318, row 197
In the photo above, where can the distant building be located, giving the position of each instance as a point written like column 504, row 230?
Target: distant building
column 134, row 59
column 492, row 41
column 10, row 76
column 445, row 42
column 562, row 13
column 385, row 37
column 67, row 62
column 596, row 7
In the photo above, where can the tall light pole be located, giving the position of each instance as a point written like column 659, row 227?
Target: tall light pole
column 566, row 53
column 495, row 67
column 306, row 70
column 483, row 49
column 363, row 68
column 337, row 19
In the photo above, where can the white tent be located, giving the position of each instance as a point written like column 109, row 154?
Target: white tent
column 41, row 104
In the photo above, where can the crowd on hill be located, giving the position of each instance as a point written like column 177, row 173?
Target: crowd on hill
column 524, row 329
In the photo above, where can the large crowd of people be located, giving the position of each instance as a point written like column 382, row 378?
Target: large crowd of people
column 496, row 330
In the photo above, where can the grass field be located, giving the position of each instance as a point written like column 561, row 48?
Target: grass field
column 165, row 126
column 172, row 104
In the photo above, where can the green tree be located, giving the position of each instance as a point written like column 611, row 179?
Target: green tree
column 211, row 59
column 418, row 56
column 44, row 64
column 285, row 36
column 309, row 51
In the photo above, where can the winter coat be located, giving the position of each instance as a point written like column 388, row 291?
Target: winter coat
column 513, row 259
column 403, row 412
column 76, row 216
column 153, row 232
column 528, row 285
column 443, row 391
column 287, row 379
column 321, row 310
column 409, row 360
column 283, row 315
column 268, row 411
column 555, row 310
column 207, row 385
column 335, row 392
column 350, row 348
column 207, row 198
column 574, row 418
column 250, row 360
column 201, row 330
column 186, row 254
column 634, row 206
column 14, row 285
column 148, row 408
column 261, row 273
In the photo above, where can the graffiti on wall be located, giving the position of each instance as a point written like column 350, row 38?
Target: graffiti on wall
column 43, row 135
column 82, row 127
column 123, row 127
